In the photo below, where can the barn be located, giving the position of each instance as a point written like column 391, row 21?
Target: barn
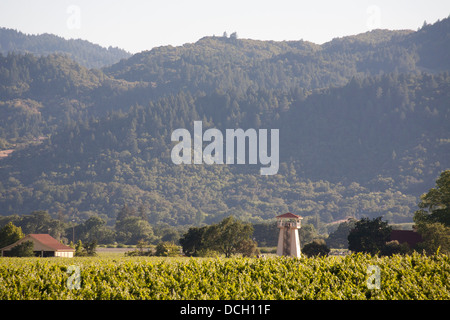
column 44, row 245
column 410, row 237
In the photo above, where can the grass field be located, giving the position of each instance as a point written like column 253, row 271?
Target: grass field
column 113, row 276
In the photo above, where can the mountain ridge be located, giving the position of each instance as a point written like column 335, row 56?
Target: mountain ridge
column 336, row 61
column 362, row 128
column 84, row 52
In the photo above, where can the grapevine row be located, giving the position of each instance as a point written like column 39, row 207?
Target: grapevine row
column 400, row 277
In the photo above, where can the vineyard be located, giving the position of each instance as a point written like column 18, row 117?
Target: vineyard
column 355, row 276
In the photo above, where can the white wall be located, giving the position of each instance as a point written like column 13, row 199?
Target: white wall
column 64, row 254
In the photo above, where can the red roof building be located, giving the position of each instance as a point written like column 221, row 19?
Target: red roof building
column 44, row 245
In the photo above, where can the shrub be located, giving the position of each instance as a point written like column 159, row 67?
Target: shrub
column 316, row 248
column 25, row 249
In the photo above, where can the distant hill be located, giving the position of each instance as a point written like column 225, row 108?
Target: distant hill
column 358, row 150
column 363, row 126
column 432, row 43
column 220, row 63
column 84, row 52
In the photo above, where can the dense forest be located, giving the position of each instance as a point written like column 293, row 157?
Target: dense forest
column 363, row 120
column 84, row 52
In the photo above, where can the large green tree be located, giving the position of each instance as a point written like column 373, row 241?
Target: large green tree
column 230, row 236
column 192, row 241
column 94, row 228
column 227, row 236
column 317, row 247
column 436, row 236
column 433, row 218
column 41, row 222
column 338, row 238
column 435, row 204
column 10, row 234
column 369, row 236
column 130, row 230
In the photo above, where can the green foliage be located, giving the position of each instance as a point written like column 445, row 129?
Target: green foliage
column 436, row 237
column 266, row 234
column 338, row 239
column 93, row 229
column 88, row 54
column 433, row 219
column 9, row 234
column 36, row 222
column 228, row 237
column 167, row 249
column 369, row 236
column 79, row 252
column 317, row 247
column 193, row 241
column 394, row 247
column 362, row 128
column 130, row 230
column 248, row 248
column 435, row 204
column 402, row 277
column 90, row 248
column 87, row 249
column 90, row 161
column 24, row 249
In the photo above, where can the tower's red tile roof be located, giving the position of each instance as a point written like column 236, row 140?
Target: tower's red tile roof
column 289, row 215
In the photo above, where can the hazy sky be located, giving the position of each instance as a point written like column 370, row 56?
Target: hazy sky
column 137, row 25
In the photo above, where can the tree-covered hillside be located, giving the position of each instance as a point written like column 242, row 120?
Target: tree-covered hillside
column 84, row 52
column 363, row 126
column 221, row 63
column 366, row 163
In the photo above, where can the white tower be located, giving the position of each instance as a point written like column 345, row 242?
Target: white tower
column 288, row 240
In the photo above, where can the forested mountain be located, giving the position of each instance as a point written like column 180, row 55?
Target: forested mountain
column 363, row 120
column 41, row 94
column 221, row 63
column 84, row 52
